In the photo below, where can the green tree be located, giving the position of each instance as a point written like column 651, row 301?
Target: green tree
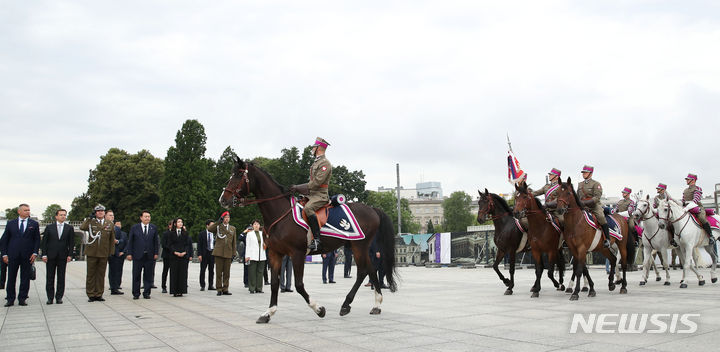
column 350, row 183
column 122, row 182
column 456, row 212
column 11, row 213
column 388, row 203
column 185, row 188
column 430, row 227
column 49, row 213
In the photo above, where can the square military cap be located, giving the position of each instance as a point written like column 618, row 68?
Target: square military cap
column 319, row 142
column 588, row 168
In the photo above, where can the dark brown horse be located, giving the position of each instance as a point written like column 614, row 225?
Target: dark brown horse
column 544, row 238
column 508, row 238
column 285, row 237
column 581, row 238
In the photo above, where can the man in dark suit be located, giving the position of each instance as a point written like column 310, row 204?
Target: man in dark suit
column 57, row 245
column 19, row 245
column 166, row 256
column 206, row 244
column 116, row 260
column 142, row 248
column 329, row 267
column 347, row 250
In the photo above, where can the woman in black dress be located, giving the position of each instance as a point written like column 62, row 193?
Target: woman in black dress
column 181, row 246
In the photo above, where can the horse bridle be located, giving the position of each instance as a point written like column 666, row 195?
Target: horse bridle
column 490, row 209
column 642, row 213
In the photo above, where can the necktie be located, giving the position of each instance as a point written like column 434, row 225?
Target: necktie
column 22, row 226
column 60, row 228
column 210, row 244
column 145, row 230
column 178, row 232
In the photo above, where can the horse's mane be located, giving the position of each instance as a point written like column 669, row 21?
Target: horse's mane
column 539, row 205
column 283, row 189
column 502, row 202
column 577, row 199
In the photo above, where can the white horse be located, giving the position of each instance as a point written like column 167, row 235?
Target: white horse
column 689, row 236
column 654, row 239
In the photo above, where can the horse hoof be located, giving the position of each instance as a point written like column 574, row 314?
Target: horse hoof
column 561, row 288
column 658, row 279
column 321, row 313
column 574, row 297
column 623, row 290
column 535, row 295
column 642, row 283
column 569, row 290
column 701, row 283
column 584, row 289
column 713, row 280
column 508, row 292
column 611, row 287
column 375, row 311
column 264, row 319
column 591, row 294
column 344, row 311
column 683, row 285
column 667, row 283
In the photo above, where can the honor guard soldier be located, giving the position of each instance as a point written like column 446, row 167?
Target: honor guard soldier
column 225, row 247
column 316, row 189
column 590, row 192
column 693, row 194
column 663, row 195
column 100, row 245
column 550, row 196
column 627, row 205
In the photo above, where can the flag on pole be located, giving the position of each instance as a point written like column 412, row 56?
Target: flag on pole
column 515, row 173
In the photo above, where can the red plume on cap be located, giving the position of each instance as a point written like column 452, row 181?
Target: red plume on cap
column 224, row 214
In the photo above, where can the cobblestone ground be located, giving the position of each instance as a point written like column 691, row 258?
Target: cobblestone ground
column 438, row 309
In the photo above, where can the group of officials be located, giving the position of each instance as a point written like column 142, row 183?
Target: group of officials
column 107, row 245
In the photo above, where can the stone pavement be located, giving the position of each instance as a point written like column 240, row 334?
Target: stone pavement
column 439, row 309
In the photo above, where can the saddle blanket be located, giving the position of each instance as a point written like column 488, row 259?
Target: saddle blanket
column 341, row 222
column 613, row 226
column 713, row 220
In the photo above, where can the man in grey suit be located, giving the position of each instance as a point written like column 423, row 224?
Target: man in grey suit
column 57, row 244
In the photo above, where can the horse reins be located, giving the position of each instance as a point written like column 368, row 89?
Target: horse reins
column 491, row 208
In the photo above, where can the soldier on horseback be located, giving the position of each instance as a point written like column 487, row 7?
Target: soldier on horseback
column 663, row 195
column 693, row 194
column 628, row 205
column 590, row 192
column 316, row 190
column 550, row 195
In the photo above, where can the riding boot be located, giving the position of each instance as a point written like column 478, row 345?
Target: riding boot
column 671, row 234
column 711, row 239
column 606, row 232
column 315, row 228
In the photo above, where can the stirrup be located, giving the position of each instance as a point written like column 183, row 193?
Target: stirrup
column 606, row 243
column 314, row 245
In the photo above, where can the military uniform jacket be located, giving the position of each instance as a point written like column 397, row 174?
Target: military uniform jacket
column 590, row 189
column 625, row 205
column 225, row 240
column 659, row 197
column 548, row 191
column 104, row 245
column 692, row 194
column 320, row 173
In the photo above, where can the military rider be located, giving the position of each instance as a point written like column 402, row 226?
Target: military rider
column 316, row 189
column 590, row 192
column 627, row 205
column 663, row 195
column 550, row 195
column 694, row 194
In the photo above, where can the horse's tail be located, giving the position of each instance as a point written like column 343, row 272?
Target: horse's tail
column 386, row 240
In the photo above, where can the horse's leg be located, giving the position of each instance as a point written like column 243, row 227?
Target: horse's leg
column 647, row 259
column 298, row 260
column 696, row 261
column 623, row 256
column 686, row 261
column 610, row 256
column 498, row 258
column 664, row 260
column 560, row 260
column 579, row 265
column 378, row 294
column 362, row 261
column 551, row 270
column 657, row 273
column 537, row 256
column 586, row 273
column 513, row 261
column 571, row 283
column 275, row 262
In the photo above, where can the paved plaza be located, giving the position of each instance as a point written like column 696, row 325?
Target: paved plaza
column 435, row 309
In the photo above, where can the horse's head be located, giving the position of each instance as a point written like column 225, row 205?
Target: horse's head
column 486, row 206
column 522, row 200
column 565, row 196
column 238, row 186
column 668, row 211
column 642, row 209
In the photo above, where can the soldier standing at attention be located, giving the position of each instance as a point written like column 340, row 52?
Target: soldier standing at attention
column 101, row 244
column 590, row 192
column 316, row 189
column 694, row 194
column 662, row 195
column 225, row 247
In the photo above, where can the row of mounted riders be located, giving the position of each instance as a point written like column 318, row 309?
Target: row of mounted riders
column 545, row 235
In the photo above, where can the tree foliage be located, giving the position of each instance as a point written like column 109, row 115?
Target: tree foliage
column 388, row 203
column 11, row 213
column 122, row 182
column 456, row 212
column 49, row 213
column 186, row 186
column 430, row 227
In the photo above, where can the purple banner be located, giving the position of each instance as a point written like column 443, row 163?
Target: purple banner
column 437, row 248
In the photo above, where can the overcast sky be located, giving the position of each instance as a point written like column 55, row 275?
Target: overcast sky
column 630, row 87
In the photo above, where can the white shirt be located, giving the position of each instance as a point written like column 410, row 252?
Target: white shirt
column 60, row 229
column 22, row 224
column 211, row 241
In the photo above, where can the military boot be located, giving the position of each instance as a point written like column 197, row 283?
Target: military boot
column 708, row 230
column 315, row 228
column 606, row 232
column 671, row 234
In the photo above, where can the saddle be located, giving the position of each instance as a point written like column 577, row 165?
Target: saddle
column 711, row 218
column 336, row 219
column 321, row 214
column 613, row 226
